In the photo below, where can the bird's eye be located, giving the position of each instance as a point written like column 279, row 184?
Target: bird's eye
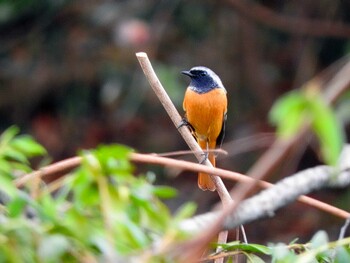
column 203, row 73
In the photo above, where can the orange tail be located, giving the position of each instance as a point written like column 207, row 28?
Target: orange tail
column 204, row 180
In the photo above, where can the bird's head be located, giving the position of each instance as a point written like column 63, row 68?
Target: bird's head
column 203, row 79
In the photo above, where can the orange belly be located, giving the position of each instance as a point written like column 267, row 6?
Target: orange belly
column 205, row 112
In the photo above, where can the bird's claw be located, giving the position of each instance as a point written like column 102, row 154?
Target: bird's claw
column 184, row 122
column 205, row 158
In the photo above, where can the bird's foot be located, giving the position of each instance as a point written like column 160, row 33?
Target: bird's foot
column 205, row 158
column 184, row 122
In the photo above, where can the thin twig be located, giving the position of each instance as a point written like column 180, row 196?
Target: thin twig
column 177, row 153
column 222, row 255
column 64, row 166
column 58, row 167
column 344, row 228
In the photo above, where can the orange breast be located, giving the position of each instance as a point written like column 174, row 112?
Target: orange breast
column 205, row 112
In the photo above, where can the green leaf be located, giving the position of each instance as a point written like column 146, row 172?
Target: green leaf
column 253, row 248
column 7, row 186
column 328, row 130
column 117, row 151
column 156, row 215
column 288, row 113
column 15, row 155
column 230, row 245
column 164, row 192
column 8, row 135
column 137, row 235
column 28, row 146
column 5, row 167
column 112, row 160
column 25, row 168
column 293, row 109
column 256, row 248
column 131, row 237
column 16, row 206
column 48, row 205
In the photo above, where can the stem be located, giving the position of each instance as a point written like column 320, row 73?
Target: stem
column 71, row 163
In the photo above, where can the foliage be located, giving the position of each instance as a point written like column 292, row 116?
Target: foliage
column 319, row 249
column 15, row 152
column 295, row 108
column 102, row 212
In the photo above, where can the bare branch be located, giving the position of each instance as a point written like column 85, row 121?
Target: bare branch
column 344, row 228
column 284, row 192
column 71, row 163
column 58, row 167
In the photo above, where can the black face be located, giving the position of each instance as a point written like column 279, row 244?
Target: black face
column 202, row 79
column 196, row 73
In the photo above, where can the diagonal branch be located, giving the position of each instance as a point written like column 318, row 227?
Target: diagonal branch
column 176, row 118
column 284, row 192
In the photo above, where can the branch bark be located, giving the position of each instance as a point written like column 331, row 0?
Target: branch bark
column 71, row 163
column 284, row 192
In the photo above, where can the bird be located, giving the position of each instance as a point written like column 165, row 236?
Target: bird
column 205, row 106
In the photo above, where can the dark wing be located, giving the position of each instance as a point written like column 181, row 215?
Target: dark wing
column 221, row 136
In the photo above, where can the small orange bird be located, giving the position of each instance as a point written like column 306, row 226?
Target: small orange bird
column 205, row 105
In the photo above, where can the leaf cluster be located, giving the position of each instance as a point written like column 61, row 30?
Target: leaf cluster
column 296, row 108
column 318, row 250
column 102, row 212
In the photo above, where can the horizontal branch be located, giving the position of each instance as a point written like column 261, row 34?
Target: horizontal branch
column 66, row 165
column 60, row 167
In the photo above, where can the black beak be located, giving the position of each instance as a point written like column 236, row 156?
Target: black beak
column 188, row 73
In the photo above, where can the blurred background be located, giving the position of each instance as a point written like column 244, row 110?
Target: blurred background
column 69, row 77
